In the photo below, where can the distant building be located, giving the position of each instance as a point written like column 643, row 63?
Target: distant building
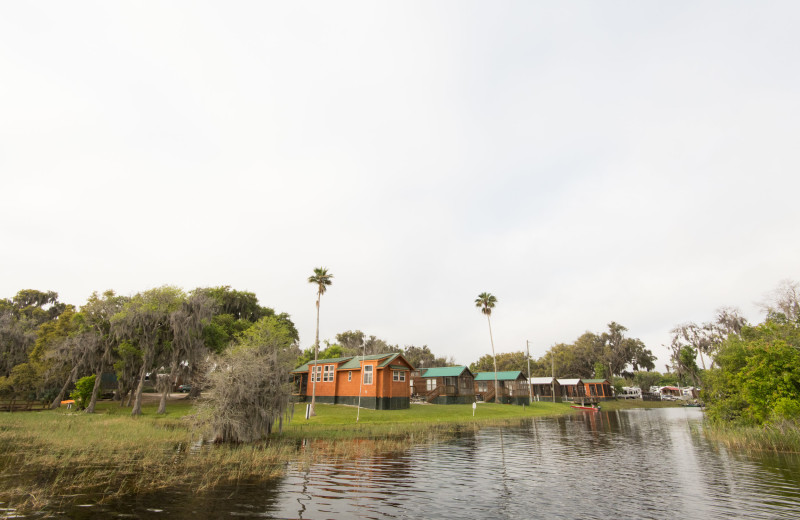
column 446, row 385
column 382, row 379
column 513, row 387
column 544, row 388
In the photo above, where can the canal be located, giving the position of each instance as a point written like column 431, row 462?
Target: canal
column 644, row 463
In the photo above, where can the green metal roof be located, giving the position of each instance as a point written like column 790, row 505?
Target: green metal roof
column 329, row 361
column 355, row 363
column 501, row 376
column 595, row 381
column 446, row 371
column 351, row 362
column 390, row 359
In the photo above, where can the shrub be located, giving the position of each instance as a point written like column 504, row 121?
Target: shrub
column 83, row 391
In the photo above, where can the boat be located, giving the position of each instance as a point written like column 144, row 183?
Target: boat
column 587, row 408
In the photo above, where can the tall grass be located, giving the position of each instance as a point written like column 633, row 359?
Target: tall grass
column 782, row 437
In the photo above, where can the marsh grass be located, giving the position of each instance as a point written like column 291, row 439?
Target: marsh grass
column 51, row 457
column 783, row 437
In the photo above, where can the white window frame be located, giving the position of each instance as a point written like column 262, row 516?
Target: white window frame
column 430, row 384
column 327, row 375
column 350, row 375
column 368, row 371
column 316, row 373
column 399, row 376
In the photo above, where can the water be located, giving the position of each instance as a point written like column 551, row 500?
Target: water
column 627, row 464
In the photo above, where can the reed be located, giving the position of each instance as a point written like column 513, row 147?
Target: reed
column 781, row 437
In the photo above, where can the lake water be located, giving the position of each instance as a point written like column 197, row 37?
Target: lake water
column 627, row 464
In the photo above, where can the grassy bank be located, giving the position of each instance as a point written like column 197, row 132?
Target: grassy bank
column 782, row 437
column 51, row 456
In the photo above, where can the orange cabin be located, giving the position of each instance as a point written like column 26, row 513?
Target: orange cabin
column 382, row 380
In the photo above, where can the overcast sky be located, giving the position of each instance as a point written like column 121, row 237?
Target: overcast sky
column 585, row 162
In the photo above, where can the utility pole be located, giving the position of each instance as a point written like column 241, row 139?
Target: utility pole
column 360, row 383
column 553, row 375
column 530, row 388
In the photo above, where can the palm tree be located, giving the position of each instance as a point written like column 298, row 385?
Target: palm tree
column 323, row 279
column 486, row 302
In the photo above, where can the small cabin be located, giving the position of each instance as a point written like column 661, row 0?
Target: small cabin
column 598, row 389
column 572, row 389
column 446, row 385
column 545, row 389
column 513, row 387
column 381, row 380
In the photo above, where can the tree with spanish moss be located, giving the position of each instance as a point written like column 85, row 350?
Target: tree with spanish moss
column 249, row 393
column 145, row 320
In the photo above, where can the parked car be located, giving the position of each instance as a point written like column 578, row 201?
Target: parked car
column 185, row 388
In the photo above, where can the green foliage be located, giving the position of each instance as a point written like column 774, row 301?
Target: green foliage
column 333, row 351
column 596, row 355
column 758, row 379
column 599, row 370
column 618, row 383
column 645, row 380
column 422, row 357
column 22, row 383
column 506, row 361
column 20, row 317
column 83, row 391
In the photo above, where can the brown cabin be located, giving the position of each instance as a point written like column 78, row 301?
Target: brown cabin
column 572, row 389
column 445, row 385
column 513, row 387
column 545, row 389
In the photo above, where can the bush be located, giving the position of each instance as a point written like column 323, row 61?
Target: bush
column 249, row 391
column 83, row 391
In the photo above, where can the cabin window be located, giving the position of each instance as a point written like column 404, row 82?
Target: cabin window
column 465, row 383
column 399, row 375
column 350, row 376
column 431, row 383
column 367, row 374
column 317, row 373
column 483, row 386
column 327, row 376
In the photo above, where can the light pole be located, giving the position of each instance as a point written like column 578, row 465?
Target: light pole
column 361, row 382
column 530, row 388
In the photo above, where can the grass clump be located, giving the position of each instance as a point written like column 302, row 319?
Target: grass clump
column 778, row 437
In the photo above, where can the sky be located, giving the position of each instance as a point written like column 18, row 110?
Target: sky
column 584, row 162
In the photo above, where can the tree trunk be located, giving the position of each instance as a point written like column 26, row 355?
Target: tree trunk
column 162, row 404
column 95, row 390
column 314, row 367
column 494, row 359
column 60, row 397
column 137, row 403
column 123, row 394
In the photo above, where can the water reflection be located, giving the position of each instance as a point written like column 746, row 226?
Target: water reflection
column 628, row 464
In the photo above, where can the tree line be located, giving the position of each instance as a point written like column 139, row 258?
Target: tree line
column 155, row 336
